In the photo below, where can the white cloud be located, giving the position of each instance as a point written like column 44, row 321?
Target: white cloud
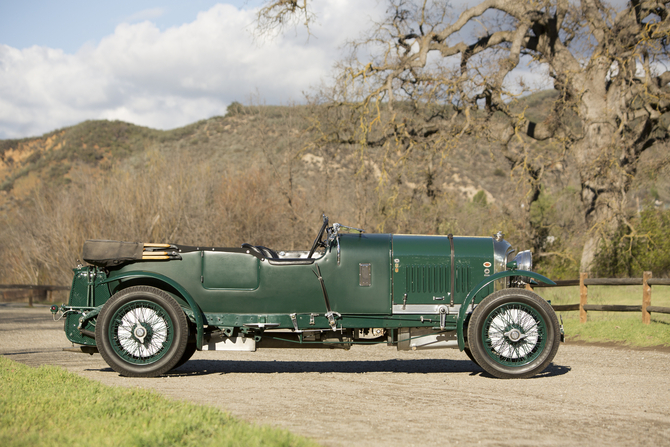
column 170, row 78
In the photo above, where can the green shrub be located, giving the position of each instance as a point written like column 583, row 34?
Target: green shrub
column 642, row 246
column 480, row 198
column 235, row 108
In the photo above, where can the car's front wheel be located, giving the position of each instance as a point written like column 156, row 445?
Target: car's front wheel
column 513, row 333
column 141, row 332
column 469, row 354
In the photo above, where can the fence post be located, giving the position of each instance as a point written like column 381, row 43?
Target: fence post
column 583, row 291
column 646, row 297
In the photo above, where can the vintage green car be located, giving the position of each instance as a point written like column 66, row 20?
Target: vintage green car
column 146, row 308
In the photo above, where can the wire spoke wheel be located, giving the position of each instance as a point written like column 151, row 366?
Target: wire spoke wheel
column 513, row 333
column 141, row 332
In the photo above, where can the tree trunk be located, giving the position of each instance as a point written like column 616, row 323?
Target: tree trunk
column 597, row 155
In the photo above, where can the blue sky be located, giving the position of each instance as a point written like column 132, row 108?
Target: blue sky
column 69, row 24
column 161, row 64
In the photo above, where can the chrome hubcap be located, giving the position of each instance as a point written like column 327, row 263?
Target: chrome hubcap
column 514, row 335
column 140, row 333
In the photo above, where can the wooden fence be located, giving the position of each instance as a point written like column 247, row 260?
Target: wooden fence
column 40, row 292
column 584, row 282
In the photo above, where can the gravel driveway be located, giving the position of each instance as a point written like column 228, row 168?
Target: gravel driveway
column 377, row 396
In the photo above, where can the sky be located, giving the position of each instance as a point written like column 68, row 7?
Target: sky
column 162, row 64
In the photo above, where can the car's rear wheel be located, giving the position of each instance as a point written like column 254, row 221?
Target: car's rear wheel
column 513, row 333
column 141, row 332
column 186, row 356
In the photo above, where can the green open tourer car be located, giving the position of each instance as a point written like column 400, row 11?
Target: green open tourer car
column 146, row 308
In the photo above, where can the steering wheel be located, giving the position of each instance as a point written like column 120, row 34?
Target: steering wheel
column 317, row 241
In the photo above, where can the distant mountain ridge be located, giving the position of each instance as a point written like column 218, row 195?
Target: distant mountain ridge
column 48, row 159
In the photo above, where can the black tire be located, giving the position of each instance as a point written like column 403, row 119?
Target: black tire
column 188, row 353
column 141, row 332
column 469, row 354
column 513, row 334
column 467, row 350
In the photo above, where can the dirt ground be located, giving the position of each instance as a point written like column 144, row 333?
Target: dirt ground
column 377, row 396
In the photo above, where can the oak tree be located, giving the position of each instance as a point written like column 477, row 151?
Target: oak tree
column 607, row 64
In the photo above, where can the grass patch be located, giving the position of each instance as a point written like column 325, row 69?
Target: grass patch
column 620, row 327
column 50, row 406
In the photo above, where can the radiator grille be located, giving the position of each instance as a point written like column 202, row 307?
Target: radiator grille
column 436, row 278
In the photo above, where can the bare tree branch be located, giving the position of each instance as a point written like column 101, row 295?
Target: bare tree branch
column 278, row 15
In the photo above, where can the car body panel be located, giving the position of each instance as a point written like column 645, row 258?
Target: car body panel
column 422, row 267
column 241, row 283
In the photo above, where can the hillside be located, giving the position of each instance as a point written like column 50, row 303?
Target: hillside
column 48, row 160
column 256, row 175
column 271, row 138
column 254, row 137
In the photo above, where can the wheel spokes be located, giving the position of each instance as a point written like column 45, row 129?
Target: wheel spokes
column 512, row 333
column 141, row 332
